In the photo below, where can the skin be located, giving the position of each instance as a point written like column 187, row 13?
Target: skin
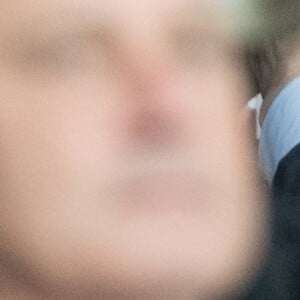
column 125, row 160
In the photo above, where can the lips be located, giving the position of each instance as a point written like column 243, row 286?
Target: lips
column 163, row 192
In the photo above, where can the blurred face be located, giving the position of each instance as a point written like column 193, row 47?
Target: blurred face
column 124, row 163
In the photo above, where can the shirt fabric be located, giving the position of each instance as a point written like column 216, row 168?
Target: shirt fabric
column 281, row 128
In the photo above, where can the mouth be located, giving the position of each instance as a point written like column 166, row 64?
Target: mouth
column 162, row 186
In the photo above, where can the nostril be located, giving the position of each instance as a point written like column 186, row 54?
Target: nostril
column 153, row 129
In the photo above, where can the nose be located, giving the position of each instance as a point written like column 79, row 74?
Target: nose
column 155, row 99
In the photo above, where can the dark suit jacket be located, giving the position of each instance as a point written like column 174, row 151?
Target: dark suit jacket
column 280, row 276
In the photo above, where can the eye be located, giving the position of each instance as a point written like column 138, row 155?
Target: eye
column 51, row 56
column 66, row 54
column 197, row 48
column 188, row 45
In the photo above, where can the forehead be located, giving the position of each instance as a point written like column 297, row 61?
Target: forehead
column 103, row 7
column 14, row 13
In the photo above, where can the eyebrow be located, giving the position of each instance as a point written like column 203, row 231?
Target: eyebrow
column 51, row 21
column 55, row 27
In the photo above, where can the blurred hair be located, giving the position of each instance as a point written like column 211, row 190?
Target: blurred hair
column 273, row 40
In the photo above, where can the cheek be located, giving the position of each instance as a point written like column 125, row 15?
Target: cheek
column 57, row 146
column 53, row 153
column 63, row 124
column 214, row 118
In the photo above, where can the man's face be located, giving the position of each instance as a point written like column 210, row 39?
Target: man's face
column 124, row 164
